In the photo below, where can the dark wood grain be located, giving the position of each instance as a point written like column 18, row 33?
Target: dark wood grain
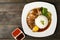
column 12, row 1
column 10, row 18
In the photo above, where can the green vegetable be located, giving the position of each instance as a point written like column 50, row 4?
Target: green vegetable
column 44, row 11
column 49, row 16
column 42, row 22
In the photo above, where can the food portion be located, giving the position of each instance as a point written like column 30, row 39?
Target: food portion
column 35, row 29
column 39, row 19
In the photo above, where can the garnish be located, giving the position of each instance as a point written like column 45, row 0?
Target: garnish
column 42, row 22
column 44, row 11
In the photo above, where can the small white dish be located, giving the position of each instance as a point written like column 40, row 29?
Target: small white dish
column 53, row 24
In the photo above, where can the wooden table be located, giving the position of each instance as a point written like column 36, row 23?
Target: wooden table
column 10, row 18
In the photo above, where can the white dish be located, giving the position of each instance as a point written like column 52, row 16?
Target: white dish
column 53, row 24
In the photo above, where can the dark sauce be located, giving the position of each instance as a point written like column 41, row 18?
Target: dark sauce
column 20, row 36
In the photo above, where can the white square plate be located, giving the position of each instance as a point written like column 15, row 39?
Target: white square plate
column 52, row 27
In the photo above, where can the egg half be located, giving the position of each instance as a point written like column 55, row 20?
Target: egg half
column 41, row 21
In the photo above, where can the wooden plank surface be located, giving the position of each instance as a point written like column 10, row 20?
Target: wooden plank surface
column 10, row 18
column 11, row 1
